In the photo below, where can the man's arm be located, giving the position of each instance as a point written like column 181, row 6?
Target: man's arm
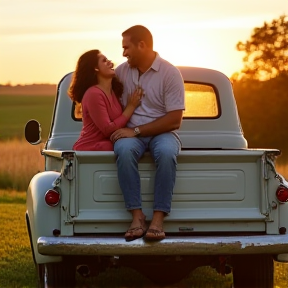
column 171, row 121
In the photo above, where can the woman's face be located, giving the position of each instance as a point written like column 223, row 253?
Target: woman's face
column 105, row 66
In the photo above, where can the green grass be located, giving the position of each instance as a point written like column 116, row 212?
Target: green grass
column 16, row 110
column 16, row 263
column 12, row 197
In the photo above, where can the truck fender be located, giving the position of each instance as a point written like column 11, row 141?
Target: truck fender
column 41, row 219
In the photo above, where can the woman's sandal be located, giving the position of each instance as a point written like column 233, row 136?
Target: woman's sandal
column 135, row 233
column 154, row 234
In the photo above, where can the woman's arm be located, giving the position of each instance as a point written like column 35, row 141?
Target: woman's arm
column 98, row 106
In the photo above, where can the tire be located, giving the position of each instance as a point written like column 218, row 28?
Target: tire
column 40, row 275
column 60, row 274
column 252, row 271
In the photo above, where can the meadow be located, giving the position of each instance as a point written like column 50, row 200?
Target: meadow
column 19, row 161
column 16, row 110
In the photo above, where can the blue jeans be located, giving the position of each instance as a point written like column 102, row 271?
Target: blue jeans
column 164, row 149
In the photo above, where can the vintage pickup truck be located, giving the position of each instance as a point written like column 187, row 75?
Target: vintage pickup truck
column 229, row 205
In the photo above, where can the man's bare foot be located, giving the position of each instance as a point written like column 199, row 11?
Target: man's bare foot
column 154, row 235
column 155, row 231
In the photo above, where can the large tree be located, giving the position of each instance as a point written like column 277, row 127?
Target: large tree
column 266, row 53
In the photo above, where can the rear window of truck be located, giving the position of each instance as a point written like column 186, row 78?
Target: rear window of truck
column 201, row 101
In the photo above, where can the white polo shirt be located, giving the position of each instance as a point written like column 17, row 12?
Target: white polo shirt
column 163, row 88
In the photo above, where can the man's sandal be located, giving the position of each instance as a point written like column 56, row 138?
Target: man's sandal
column 154, row 235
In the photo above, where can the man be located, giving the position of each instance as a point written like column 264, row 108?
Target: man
column 151, row 127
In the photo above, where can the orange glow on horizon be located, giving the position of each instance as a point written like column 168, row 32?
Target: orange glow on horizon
column 186, row 33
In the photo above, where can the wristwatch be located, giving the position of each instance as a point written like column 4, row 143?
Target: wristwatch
column 136, row 131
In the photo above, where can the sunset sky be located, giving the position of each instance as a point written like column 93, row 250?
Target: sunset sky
column 41, row 40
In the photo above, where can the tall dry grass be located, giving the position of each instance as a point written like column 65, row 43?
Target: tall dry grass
column 19, row 162
column 283, row 170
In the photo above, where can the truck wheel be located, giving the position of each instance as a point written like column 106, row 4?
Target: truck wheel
column 60, row 274
column 41, row 275
column 251, row 271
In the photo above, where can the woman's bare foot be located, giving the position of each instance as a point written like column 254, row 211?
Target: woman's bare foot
column 138, row 226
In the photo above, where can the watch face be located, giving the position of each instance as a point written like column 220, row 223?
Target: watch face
column 136, row 131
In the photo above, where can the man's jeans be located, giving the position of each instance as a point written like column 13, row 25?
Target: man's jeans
column 164, row 149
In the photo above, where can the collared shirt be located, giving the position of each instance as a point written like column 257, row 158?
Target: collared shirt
column 163, row 90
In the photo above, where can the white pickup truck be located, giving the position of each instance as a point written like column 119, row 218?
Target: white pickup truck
column 229, row 208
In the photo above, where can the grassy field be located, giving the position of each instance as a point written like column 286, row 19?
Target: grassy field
column 16, row 264
column 20, row 161
column 15, row 111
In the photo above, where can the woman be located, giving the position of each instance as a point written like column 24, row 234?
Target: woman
column 96, row 87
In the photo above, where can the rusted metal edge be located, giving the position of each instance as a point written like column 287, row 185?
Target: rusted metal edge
column 188, row 245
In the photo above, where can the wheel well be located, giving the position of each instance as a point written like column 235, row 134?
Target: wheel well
column 30, row 236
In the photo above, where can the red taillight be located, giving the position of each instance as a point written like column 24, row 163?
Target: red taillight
column 52, row 197
column 282, row 194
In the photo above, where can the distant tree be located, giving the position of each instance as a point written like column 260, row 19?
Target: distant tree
column 266, row 51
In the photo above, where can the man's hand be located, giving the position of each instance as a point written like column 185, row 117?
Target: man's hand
column 122, row 133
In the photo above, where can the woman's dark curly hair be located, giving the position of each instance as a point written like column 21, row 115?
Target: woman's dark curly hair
column 85, row 76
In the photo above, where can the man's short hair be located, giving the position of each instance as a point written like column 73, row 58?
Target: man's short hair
column 139, row 33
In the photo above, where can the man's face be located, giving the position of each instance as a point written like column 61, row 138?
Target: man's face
column 131, row 52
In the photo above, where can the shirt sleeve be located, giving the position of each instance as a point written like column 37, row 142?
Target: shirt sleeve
column 174, row 91
column 98, row 108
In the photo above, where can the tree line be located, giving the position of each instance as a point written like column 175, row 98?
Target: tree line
column 261, row 87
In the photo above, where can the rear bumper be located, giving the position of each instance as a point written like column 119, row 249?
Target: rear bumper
column 188, row 245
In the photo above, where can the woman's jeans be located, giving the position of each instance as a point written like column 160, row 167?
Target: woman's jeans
column 164, row 149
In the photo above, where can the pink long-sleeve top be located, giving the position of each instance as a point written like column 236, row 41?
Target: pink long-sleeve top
column 101, row 116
